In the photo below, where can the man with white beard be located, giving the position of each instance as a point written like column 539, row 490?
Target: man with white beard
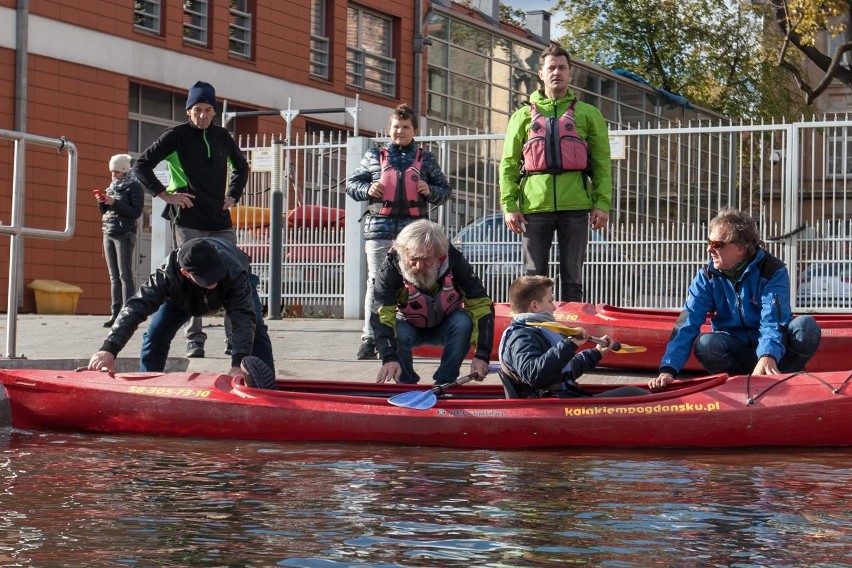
column 428, row 294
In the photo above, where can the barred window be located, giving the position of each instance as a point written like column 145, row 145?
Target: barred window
column 195, row 21
column 319, row 40
column 369, row 47
column 147, row 15
column 239, row 28
column 838, row 155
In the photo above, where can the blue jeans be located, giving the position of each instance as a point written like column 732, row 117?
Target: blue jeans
column 720, row 353
column 453, row 333
column 166, row 322
column 118, row 251
column 572, row 234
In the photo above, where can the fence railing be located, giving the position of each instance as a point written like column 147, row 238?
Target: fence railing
column 16, row 228
column 795, row 179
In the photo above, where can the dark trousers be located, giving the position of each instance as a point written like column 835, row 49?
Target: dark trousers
column 572, row 233
column 720, row 353
column 118, row 251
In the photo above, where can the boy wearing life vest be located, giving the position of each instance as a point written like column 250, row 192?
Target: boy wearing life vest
column 539, row 362
column 428, row 294
column 401, row 182
column 555, row 174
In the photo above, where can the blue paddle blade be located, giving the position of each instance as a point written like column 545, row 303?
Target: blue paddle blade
column 416, row 400
column 424, row 400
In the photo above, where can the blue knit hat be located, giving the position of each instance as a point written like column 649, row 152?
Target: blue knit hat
column 201, row 92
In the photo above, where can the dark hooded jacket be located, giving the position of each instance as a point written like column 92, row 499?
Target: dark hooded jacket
column 233, row 293
column 541, row 362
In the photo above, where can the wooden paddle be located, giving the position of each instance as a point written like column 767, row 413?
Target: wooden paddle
column 563, row 329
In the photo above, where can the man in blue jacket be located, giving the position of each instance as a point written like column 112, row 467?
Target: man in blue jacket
column 747, row 291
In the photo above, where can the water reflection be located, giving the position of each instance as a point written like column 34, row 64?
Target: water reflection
column 71, row 499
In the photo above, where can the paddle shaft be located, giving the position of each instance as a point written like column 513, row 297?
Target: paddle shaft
column 614, row 345
column 441, row 389
column 574, row 332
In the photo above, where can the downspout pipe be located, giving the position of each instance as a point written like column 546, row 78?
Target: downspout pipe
column 22, row 42
column 419, row 44
column 22, row 18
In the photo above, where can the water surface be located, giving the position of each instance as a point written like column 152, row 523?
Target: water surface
column 86, row 500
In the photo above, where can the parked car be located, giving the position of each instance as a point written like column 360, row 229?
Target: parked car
column 495, row 252
column 825, row 285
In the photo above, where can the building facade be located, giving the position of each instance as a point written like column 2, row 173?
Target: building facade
column 111, row 75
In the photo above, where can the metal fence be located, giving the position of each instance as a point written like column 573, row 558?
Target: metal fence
column 667, row 184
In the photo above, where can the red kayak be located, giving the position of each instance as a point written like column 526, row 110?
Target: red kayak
column 652, row 328
column 804, row 409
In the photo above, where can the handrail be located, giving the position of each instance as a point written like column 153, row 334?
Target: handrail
column 18, row 231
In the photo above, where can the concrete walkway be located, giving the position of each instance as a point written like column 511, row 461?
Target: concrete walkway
column 305, row 348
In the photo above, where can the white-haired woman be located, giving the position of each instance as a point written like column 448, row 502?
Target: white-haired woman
column 121, row 205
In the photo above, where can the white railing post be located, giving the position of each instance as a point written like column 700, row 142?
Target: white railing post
column 355, row 262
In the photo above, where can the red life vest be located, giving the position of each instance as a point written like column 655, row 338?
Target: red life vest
column 553, row 146
column 401, row 198
column 426, row 310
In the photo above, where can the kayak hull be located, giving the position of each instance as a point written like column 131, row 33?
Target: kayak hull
column 806, row 409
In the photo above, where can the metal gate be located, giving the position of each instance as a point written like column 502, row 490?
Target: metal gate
column 667, row 184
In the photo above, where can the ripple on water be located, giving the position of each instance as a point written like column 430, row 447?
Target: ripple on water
column 102, row 501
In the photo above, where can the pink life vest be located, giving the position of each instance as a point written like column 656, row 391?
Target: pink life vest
column 401, row 198
column 425, row 310
column 553, row 146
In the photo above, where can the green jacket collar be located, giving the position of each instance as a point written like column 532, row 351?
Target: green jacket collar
column 549, row 106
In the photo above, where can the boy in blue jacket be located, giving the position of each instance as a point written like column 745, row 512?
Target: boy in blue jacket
column 541, row 362
column 401, row 181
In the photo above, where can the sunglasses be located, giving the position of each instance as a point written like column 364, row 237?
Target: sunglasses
column 718, row 245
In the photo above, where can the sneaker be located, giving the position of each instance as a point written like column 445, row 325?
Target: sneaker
column 195, row 349
column 109, row 322
column 368, row 349
column 257, row 374
column 228, row 348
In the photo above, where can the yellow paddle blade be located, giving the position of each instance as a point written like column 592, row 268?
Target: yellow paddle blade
column 566, row 331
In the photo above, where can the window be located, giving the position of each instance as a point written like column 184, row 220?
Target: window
column 151, row 111
column 833, row 43
column 239, row 28
column 476, row 78
column 838, row 156
column 369, row 42
column 319, row 40
column 195, row 21
column 146, row 15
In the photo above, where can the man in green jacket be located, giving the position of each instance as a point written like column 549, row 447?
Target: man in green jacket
column 555, row 174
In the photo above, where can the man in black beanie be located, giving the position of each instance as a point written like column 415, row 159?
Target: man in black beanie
column 197, row 203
